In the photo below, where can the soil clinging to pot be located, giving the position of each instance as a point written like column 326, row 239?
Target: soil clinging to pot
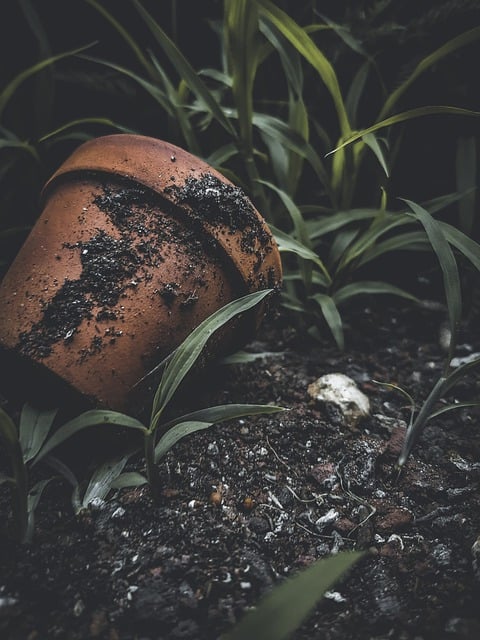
column 111, row 265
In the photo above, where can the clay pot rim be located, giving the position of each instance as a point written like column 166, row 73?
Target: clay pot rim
column 143, row 160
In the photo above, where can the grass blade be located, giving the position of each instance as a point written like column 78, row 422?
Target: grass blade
column 449, row 47
column 223, row 412
column 467, row 246
column 241, row 38
column 370, row 287
column 33, row 429
column 411, row 114
column 332, row 316
column 34, row 497
column 188, row 352
column 176, row 433
column 81, row 121
column 302, row 42
column 125, row 35
column 8, row 430
column 203, row 419
column 186, row 71
column 288, row 244
column 101, row 481
column 13, row 85
column 92, row 418
column 283, row 610
column 448, row 265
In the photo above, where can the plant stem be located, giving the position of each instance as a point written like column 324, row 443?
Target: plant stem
column 151, row 467
column 416, row 429
column 19, row 493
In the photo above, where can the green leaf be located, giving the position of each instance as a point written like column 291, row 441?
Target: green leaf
column 94, row 417
column 372, row 142
column 458, row 373
column 241, row 39
column 129, row 479
column 292, row 140
column 102, row 479
column 294, row 212
column 449, row 47
column 284, row 609
column 188, row 352
column 467, row 246
column 8, row 430
column 203, row 419
column 332, row 316
column 14, row 84
column 176, row 433
column 81, row 121
column 408, row 241
column 302, row 42
column 185, row 70
column 419, row 112
column 34, row 497
column 448, row 265
column 34, row 427
column 124, row 34
column 223, row 412
column 452, row 407
column 370, row 287
column 326, row 224
column 287, row 243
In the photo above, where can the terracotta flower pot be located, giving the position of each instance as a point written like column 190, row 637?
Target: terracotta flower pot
column 137, row 243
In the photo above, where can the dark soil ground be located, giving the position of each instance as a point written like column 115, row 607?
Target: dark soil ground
column 243, row 504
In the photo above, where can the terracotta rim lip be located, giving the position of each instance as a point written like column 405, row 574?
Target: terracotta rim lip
column 144, row 160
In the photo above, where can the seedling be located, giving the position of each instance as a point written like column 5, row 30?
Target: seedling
column 159, row 437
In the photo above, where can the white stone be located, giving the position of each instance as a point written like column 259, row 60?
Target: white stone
column 340, row 390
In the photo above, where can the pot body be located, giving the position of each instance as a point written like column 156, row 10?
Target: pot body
column 137, row 243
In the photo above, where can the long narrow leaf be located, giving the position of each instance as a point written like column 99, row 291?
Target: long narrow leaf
column 185, row 70
column 8, row 430
column 92, row 418
column 34, row 498
column 286, row 243
column 124, row 34
column 411, row 114
column 175, row 434
column 302, row 42
column 81, row 121
column 283, row 610
column 101, row 481
column 370, row 287
column 33, row 429
column 241, row 34
column 188, row 352
column 448, row 265
column 203, row 419
column 449, row 47
column 13, row 85
column 332, row 316
column 467, row 246
column 223, row 412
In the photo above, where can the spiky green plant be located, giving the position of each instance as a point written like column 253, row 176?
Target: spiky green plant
column 300, row 152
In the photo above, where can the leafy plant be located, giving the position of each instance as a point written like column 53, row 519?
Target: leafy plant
column 23, row 445
column 442, row 237
column 282, row 611
column 273, row 141
column 34, row 440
